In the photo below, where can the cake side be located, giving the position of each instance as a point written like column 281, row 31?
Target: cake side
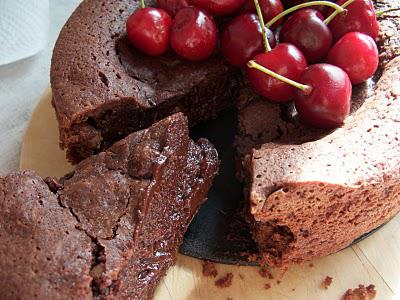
column 42, row 254
column 314, row 198
column 104, row 89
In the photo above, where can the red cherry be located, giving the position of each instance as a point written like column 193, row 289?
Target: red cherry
column 357, row 54
column 360, row 17
column 172, row 6
column 328, row 103
column 194, row 34
column 321, row 8
column 269, row 9
column 284, row 59
column 149, row 30
column 218, row 7
column 242, row 39
column 307, row 31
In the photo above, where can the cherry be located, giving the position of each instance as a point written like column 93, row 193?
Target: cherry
column 269, row 9
column 218, row 7
column 242, row 39
column 172, row 6
column 194, row 34
column 321, row 8
column 327, row 103
column 284, row 59
column 360, row 17
column 307, row 31
column 149, row 30
column 357, row 54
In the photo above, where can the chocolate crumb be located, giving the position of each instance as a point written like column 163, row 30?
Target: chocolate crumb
column 252, row 257
column 360, row 293
column 225, row 281
column 326, row 282
column 209, row 269
column 278, row 282
column 264, row 272
column 293, row 289
column 241, row 276
column 267, row 286
column 371, row 291
column 311, row 265
column 229, row 298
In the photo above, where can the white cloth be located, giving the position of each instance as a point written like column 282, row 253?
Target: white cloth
column 24, row 81
column 24, row 27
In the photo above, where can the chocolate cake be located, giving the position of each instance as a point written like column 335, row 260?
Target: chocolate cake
column 312, row 192
column 104, row 89
column 309, row 192
column 110, row 229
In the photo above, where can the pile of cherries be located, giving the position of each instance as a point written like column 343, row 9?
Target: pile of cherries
column 323, row 47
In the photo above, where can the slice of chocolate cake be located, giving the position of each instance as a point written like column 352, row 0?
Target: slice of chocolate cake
column 103, row 88
column 111, row 228
column 312, row 192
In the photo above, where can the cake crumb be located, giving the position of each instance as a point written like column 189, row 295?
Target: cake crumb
column 360, row 293
column 241, row 276
column 225, row 281
column 229, row 298
column 293, row 289
column 251, row 257
column 278, row 282
column 267, row 286
column 264, row 272
column 326, row 282
column 311, row 265
column 209, row 269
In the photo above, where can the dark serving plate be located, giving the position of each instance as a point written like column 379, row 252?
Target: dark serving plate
column 218, row 232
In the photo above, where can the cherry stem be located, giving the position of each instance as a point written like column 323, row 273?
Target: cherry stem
column 267, row 46
column 337, row 8
column 335, row 13
column 381, row 12
column 305, row 88
column 142, row 4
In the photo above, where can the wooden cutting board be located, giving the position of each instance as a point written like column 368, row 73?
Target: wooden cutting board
column 375, row 260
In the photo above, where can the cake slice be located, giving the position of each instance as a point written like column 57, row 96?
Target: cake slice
column 311, row 192
column 114, row 225
column 103, row 88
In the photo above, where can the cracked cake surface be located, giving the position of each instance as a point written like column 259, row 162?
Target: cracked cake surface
column 110, row 229
column 312, row 192
column 104, row 89
column 50, row 257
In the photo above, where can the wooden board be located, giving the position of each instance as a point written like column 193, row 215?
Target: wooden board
column 375, row 260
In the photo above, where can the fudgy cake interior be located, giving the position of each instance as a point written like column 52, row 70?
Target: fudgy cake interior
column 103, row 88
column 312, row 192
column 126, row 212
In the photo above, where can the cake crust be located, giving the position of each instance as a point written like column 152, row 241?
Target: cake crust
column 42, row 254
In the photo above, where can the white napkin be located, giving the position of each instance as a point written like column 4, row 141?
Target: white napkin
column 24, row 26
